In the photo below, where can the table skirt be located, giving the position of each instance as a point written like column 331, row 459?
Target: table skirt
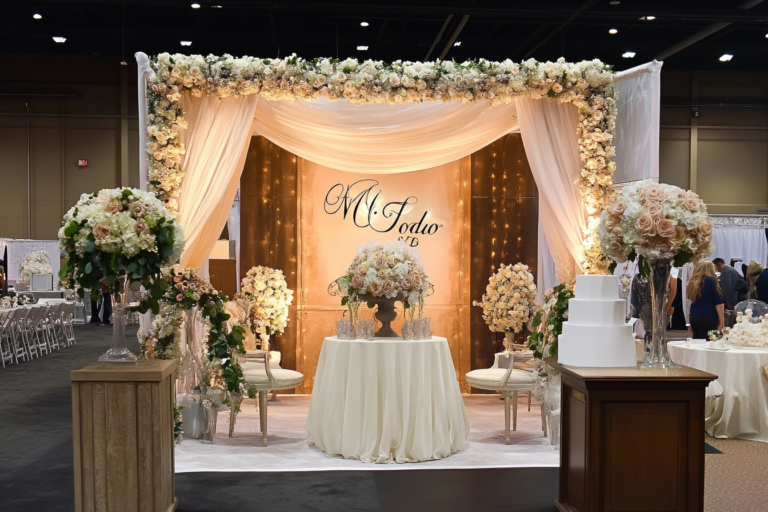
column 387, row 401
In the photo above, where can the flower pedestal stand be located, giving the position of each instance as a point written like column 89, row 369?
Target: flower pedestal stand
column 118, row 352
column 122, row 429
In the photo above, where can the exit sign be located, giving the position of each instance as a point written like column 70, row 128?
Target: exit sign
column 82, row 163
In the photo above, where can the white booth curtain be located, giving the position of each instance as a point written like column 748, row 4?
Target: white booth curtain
column 745, row 242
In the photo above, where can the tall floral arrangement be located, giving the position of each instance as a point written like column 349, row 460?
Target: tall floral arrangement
column 587, row 84
column 386, row 270
column 270, row 297
column 548, row 323
column 649, row 220
column 37, row 262
column 119, row 232
column 510, row 299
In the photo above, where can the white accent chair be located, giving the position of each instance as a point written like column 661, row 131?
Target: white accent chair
column 264, row 377
column 518, row 375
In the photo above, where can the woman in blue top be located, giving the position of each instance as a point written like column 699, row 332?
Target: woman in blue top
column 707, row 300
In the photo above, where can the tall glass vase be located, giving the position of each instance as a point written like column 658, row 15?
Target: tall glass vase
column 658, row 356
column 118, row 352
column 191, row 366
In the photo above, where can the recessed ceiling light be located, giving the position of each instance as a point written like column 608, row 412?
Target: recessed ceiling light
column 37, row 16
column 123, row 63
column 363, row 23
column 186, row 43
column 628, row 55
column 457, row 43
column 362, row 48
column 215, row 7
column 726, row 57
column 650, row 18
column 195, row 6
column 615, row 2
column 59, row 39
column 613, row 31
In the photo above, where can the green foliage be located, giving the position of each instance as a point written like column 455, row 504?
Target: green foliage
column 177, row 421
column 548, row 326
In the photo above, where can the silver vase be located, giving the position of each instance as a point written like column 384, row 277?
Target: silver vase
column 658, row 356
column 118, row 352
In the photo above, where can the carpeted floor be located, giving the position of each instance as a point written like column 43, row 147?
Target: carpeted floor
column 36, row 464
column 289, row 448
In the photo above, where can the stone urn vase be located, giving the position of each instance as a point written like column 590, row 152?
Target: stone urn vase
column 385, row 313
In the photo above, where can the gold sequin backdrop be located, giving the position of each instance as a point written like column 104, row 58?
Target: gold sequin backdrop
column 485, row 207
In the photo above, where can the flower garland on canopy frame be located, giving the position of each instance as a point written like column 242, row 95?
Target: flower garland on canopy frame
column 587, row 84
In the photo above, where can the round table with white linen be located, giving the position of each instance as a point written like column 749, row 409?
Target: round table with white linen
column 742, row 412
column 387, row 400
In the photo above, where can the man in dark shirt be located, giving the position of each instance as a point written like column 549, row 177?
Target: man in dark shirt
column 734, row 286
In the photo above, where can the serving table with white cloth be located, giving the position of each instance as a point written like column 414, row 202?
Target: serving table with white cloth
column 742, row 412
column 387, row 400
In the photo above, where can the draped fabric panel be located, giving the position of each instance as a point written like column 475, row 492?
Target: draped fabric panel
column 216, row 140
column 383, row 139
column 747, row 243
column 549, row 135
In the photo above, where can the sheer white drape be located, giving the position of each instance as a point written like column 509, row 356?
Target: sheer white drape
column 551, row 144
column 546, row 276
column 747, row 243
column 382, row 139
column 233, row 226
column 216, row 142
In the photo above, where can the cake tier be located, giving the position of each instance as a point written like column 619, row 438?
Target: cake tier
column 597, row 346
column 597, row 312
column 597, row 287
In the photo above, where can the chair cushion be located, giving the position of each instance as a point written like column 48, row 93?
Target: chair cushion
column 493, row 376
column 282, row 376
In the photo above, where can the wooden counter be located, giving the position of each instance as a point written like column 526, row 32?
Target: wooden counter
column 632, row 439
column 122, row 423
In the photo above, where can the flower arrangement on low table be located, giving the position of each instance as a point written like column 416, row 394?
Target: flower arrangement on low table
column 266, row 290
column 36, row 263
column 115, row 237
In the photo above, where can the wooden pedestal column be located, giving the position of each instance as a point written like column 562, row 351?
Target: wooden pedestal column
column 122, row 422
column 632, row 439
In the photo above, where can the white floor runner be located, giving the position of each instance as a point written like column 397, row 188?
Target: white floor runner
column 289, row 448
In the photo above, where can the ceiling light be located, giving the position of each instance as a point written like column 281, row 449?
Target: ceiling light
column 615, row 2
column 363, row 23
column 195, row 6
column 457, row 43
column 186, row 43
column 215, row 7
column 726, row 57
column 613, row 31
column 628, row 55
column 123, row 63
column 59, row 39
column 37, row 16
column 362, row 48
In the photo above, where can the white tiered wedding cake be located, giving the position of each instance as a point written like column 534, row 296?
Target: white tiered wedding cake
column 596, row 334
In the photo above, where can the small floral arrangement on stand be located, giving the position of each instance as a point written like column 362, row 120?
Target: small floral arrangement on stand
column 509, row 301
column 548, row 322
column 266, row 290
column 36, row 263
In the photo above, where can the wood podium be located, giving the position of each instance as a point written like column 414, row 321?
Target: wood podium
column 632, row 439
column 122, row 426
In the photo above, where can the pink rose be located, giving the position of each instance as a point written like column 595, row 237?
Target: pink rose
column 406, row 283
column 705, row 227
column 179, row 287
column 653, row 208
column 380, row 262
column 645, row 224
column 176, row 278
column 619, row 207
column 387, row 286
column 665, row 227
column 375, row 288
column 617, row 248
column 611, row 220
column 101, row 231
column 113, row 206
column 362, row 269
column 655, row 192
column 692, row 201
column 357, row 282
column 140, row 227
column 179, row 297
column 416, row 281
column 137, row 209
column 681, row 197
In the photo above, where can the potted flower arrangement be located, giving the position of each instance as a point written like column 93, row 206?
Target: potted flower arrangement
column 657, row 225
column 382, row 274
column 509, row 301
column 115, row 237
column 547, row 323
column 36, row 263
column 266, row 290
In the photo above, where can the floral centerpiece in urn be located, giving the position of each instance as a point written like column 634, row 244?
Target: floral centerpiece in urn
column 270, row 297
column 115, row 237
column 36, row 263
column 509, row 301
column 658, row 225
column 381, row 274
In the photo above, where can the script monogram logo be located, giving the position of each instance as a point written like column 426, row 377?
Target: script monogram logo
column 360, row 202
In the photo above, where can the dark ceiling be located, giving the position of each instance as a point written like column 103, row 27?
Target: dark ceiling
column 400, row 29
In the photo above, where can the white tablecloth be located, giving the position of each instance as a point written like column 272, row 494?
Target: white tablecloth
column 387, row 400
column 742, row 412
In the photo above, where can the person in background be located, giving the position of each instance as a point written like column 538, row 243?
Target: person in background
column 94, row 312
column 757, row 278
column 106, row 299
column 734, row 286
column 708, row 303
